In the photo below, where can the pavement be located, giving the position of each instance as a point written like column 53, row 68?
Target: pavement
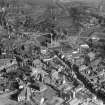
column 75, row 101
column 5, row 99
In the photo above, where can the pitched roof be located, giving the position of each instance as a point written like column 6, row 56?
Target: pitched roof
column 99, row 35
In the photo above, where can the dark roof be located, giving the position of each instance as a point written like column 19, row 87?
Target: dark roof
column 42, row 38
